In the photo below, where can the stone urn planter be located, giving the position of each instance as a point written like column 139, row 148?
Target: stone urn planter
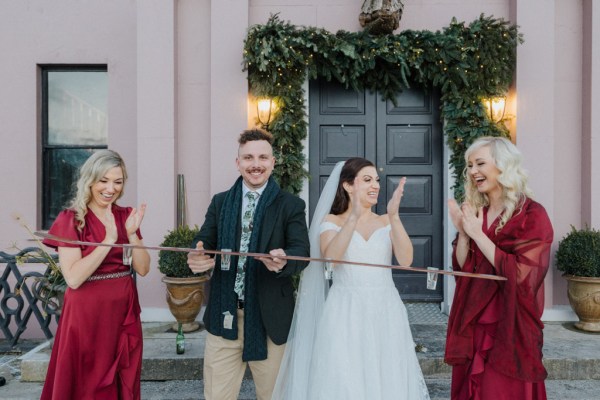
column 185, row 297
column 578, row 256
column 185, row 290
column 584, row 297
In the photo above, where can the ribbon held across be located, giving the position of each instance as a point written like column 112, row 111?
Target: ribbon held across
column 299, row 258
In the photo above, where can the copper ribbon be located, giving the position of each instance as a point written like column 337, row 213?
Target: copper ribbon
column 298, row 258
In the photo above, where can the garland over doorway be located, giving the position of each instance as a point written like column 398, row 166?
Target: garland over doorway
column 466, row 63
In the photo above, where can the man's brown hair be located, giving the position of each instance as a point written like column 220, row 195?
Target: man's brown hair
column 251, row 135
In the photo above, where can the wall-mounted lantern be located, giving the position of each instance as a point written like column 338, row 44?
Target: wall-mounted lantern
column 495, row 107
column 265, row 108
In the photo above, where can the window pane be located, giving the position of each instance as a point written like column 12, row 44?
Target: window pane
column 77, row 104
column 63, row 171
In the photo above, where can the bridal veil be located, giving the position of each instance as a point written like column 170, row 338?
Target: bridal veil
column 292, row 381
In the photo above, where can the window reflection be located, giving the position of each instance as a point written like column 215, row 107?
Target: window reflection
column 77, row 107
column 74, row 114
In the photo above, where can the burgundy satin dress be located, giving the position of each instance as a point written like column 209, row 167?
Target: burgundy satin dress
column 97, row 351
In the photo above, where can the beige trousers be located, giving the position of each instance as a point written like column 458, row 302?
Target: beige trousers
column 224, row 368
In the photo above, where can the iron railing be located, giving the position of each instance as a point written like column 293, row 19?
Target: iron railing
column 18, row 303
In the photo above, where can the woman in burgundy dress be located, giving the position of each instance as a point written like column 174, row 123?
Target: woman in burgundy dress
column 97, row 351
column 495, row 335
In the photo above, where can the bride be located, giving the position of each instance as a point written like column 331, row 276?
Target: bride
column 355, row 341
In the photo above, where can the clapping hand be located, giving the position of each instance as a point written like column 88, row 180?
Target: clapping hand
column 472, row 222
column 355, row 200
column 393, row 206
column 134, row 220
column 456, row 215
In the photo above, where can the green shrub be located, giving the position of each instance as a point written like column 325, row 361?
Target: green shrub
column 174, row 264
column 579, row 253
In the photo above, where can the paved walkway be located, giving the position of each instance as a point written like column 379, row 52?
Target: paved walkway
column 571, row 357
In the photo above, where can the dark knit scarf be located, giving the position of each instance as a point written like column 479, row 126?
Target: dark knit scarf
column 223, row 299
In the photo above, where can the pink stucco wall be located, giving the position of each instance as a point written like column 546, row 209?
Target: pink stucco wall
column 591, row 106
column 194, row 103
column 36, row 32
column 178, row 97
column 334, row 15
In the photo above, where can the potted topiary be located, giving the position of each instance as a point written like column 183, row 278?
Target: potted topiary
column 578, row 256
column 185, row 290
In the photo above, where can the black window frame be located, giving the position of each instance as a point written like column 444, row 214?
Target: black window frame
column 46, row 219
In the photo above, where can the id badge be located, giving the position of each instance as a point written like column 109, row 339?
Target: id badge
column 227, row 320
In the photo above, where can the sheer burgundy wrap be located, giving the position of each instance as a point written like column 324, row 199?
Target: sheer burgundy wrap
column 498, row 325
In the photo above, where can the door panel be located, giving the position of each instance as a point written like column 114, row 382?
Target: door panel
column 408, row 144
column 335, row 99
column 337, row 142
column 402, row 140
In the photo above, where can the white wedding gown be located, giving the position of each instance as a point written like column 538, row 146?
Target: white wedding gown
column 364, row 348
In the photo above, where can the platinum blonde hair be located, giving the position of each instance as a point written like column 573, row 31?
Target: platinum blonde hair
column 512, row 177
column 94, row 169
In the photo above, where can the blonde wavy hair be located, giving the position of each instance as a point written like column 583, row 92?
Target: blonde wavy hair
column 512, row 177
column 94, row 169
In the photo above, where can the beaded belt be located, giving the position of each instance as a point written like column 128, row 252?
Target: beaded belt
column 114, row 275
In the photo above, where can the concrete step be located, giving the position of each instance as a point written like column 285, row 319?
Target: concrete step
column 571, row 357
column 159, row 362
column 569, row 354
column 439, row 389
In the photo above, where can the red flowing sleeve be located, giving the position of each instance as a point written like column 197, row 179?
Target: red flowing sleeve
column 64, row 226
column 471, row 296
column 523, row 257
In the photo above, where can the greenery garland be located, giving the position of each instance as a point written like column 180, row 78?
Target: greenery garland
column 466, row 63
